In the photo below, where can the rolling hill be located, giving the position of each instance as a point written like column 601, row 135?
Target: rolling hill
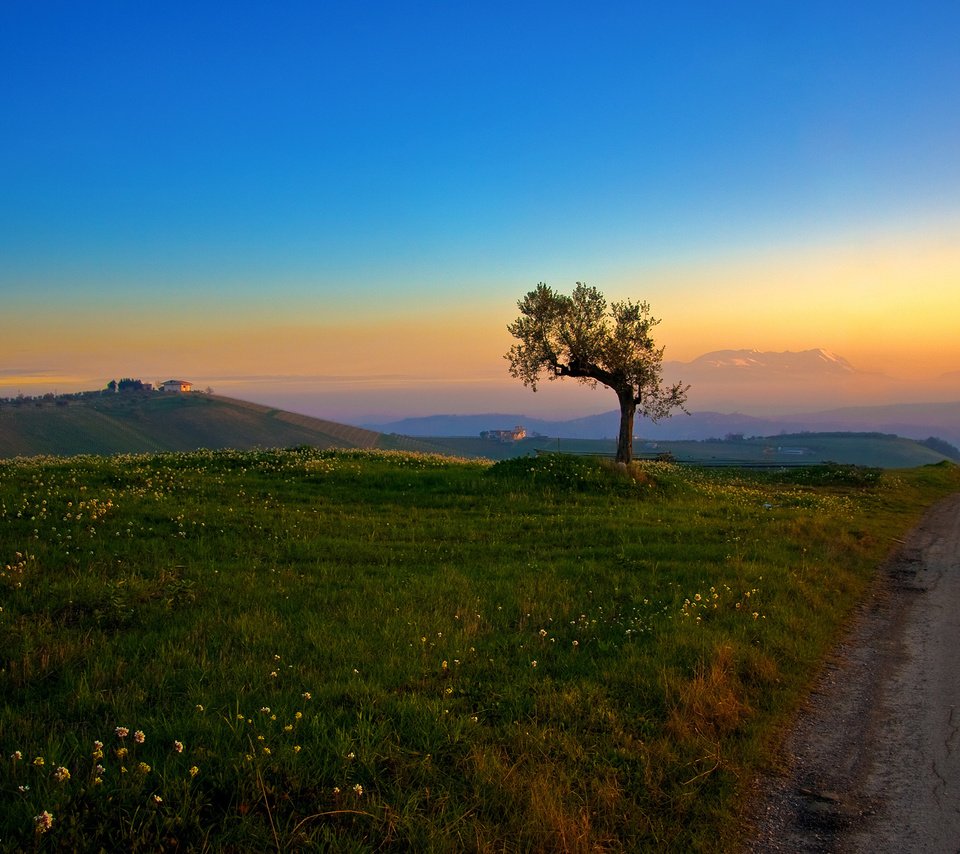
column 915, row 421
column 137, row 422
column 144, row 422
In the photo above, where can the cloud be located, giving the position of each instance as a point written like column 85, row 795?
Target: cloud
column 29, row 373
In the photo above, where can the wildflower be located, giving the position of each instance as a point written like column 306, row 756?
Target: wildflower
column 296, row 748
column 39, row 761
column 543, row 633
column 16, row 756
column 157, row 799
column 357, row 789
column 43, row 822
column 121, row 752
column 143, row 768
column 533, row 663
column 97, row 781
column 122, row 732
column 178, row 746
column 23, row 789
column 199, row 707
column 288, row 728
column 139, row 737
column 273, row 674
column 336, row 790
column 266, row 751
column 61, row 775
column 97, row 745
column 298, row 715
column 194, row 771
column 351, row 756
column 306, row 695
column 265, row 710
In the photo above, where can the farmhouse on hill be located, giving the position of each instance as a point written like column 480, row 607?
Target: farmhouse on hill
column 177, row 385
column 514, row 435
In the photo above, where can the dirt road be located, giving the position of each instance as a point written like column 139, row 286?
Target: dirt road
column 874, row 764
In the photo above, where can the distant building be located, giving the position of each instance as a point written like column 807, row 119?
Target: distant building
column 793, row 452
column 177, row 385
column 514, row 435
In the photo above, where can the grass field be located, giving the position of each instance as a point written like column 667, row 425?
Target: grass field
column 139, row 422
column 862, row 449
column 358, row 651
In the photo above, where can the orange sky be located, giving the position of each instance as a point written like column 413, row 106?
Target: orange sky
column 342, row 210
column 888, row 306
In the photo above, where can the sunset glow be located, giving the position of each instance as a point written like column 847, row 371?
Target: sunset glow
column 337, row 211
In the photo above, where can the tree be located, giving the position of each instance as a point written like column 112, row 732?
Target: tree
column 583, row 337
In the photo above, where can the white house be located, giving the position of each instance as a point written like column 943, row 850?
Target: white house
column 177, row 385
column 514, row 435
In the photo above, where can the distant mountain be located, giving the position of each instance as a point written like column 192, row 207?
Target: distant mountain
column 914, row 421
column 807, row 380
column 818, row 362
column 593, row 427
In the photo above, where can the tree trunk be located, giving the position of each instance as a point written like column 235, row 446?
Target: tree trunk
column 628, row 409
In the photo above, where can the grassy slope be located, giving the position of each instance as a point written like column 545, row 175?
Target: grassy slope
column 852, row 449
column 541, row 655
column 146, row 422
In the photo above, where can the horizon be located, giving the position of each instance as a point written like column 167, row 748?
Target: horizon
column 339, row 209
column 800, row 393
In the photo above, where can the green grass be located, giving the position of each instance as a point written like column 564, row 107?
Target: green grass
column 864, row 449
column 138, row 422
column 386, row 651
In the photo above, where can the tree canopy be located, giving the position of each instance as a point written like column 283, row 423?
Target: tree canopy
column 584, row 337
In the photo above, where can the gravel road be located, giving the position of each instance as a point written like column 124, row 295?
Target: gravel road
column 874, row 762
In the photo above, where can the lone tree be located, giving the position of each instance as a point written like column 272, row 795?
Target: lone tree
column 583, row 337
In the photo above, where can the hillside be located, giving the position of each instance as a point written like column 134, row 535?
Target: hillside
column 915, row 421
column 143, row 422
column 139, row 422
column 861, row 449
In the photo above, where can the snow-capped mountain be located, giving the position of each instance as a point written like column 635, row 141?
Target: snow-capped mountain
column 815, row 378
column 807, row 362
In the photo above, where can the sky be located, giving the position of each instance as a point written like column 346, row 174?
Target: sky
column 335, row 207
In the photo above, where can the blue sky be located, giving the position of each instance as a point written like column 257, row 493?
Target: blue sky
column 343, row 168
